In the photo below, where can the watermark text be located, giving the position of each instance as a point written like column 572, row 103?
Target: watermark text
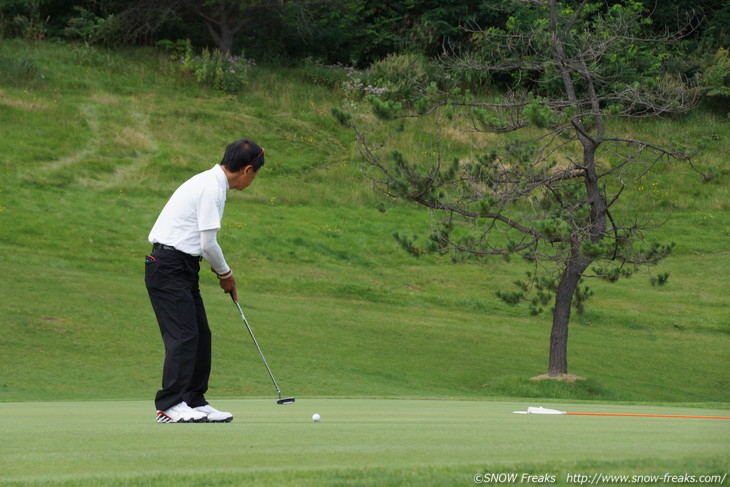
column 597, row 478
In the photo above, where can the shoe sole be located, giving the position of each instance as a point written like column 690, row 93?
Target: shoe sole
column 227, row 420
column 164, row 418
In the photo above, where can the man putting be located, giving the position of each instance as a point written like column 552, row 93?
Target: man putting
column 183, row 234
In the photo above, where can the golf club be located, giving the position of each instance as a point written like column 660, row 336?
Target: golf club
column 286, row 400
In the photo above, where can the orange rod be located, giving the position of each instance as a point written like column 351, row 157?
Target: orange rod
column 648, row 415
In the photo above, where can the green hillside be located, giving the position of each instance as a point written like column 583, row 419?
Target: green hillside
column 94, row 142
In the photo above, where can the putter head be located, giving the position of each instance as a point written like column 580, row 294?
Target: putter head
column 286, row 400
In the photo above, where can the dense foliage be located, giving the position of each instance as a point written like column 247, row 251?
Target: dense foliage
column 352, row 32
column 335, row 30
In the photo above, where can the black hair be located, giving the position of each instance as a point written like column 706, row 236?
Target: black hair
column 242, row 153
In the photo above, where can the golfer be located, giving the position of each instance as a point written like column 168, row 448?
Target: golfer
column 184, row 234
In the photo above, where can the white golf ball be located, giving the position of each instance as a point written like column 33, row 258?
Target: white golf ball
column 315, row 418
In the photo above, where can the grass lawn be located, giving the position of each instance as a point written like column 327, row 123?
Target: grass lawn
column 357, row 442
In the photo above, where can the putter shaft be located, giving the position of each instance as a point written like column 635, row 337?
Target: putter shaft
column 250, row 331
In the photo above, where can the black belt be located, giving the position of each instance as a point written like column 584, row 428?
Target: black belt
column 159, row 246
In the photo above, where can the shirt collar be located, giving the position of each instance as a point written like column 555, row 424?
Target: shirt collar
column 221, row 175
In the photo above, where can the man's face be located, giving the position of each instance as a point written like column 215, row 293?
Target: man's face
column 244, row 178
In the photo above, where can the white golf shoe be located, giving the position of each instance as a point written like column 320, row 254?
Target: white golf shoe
column 213, row 415
column 181, row 413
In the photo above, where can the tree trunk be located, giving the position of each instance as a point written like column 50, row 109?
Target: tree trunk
column 558, row 361
column 222, row 37
column 226, row 40
column 576, row 265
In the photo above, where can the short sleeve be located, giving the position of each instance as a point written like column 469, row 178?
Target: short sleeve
column 210, row 208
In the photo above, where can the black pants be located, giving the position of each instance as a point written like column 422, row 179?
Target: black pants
column 172, row 284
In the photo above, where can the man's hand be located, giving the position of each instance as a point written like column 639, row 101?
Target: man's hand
column 229, row 287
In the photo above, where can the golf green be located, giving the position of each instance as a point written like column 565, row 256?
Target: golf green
column 119, row 443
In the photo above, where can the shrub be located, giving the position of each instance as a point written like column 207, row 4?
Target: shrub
column 716, row 78
column 217, row 70
column 403, row 77
column 354, row 87
column 23, row 19
column 329, row 75
column 90, row 28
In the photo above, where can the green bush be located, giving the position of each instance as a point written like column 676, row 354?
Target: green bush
column 321, row 74
column 403, row 77
column 89, row 28
column 716, row 78
column 217, row 70
column 23, row 20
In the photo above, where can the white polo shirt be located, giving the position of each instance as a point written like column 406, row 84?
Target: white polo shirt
column 196, row 206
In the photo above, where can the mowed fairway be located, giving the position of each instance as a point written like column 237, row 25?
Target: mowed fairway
column 357, row 442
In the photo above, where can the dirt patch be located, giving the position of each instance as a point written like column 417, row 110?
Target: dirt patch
column 562, row 377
